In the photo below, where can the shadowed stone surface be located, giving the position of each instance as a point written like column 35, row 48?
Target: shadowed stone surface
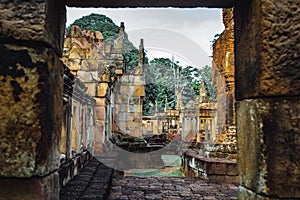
column 169, row 188
column 46, row 188
column 37, row 21
column 92, row 183
column 267, row 48
column 269, row 161
column 31, row 86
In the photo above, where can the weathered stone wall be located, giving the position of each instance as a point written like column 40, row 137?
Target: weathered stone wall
column 267, row 93
column 78, row 132
column 128, row 101
column 223, row 74
column 97, row 64
column 130, row 92
column 219, row 170
column 31, row 85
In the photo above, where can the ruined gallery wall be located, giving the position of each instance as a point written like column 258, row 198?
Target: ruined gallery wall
column 130, row 93
column 223, row 73
column 98, row 64
column 81, row 55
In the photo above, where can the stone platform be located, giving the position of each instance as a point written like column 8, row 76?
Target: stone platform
column 219, row 170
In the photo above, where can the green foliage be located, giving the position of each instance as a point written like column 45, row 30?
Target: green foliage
column 159, row 77
column 96, row 22
column 109, row 30
column 205, row 75
column 162, row 77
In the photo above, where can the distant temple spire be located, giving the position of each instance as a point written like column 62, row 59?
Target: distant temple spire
column 166, row 104
column 122, row 28
column 202, row 93
column 141, row 53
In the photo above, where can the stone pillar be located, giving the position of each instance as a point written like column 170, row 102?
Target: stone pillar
column 268, row 101
column 100, row 125
column 31, row 101
column 213, row 129
column 206, row 130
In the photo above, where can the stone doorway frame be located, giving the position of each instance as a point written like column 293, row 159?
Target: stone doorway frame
column 267, row 85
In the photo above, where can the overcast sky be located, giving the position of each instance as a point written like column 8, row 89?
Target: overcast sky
column 184, row 33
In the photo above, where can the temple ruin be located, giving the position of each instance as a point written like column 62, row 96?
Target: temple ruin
column 35, row 120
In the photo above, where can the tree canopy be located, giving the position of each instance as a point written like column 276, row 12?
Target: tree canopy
column 163, row 77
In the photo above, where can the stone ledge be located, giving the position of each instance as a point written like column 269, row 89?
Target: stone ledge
column 219, row 170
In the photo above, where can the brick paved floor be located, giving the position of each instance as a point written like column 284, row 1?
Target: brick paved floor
column 96, row 182
column 169, row 188
column 92, row 183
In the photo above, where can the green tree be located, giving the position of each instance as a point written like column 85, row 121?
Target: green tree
column 205, row 75
column 159, row 78
column 163, row 76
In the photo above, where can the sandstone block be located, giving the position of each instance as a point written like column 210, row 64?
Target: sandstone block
column 232, row 169
column 130, row 79
column 30, row 105
column 89, row 65
column 91, row 76
column 102, row 89
column 76, row 52
column 122, row 117
column 266, row 62
column 122, row 126
column 27, row 189
column 139, row 91
column 129, row 117
column 137, row 116
column 217, row 178
column 39, row 21
column 119, row 72
column 216, row 168
column 134, row 126
column 124, row 89
column 100, row 112
column 232, row 179
column 93, row 53
column 72, row 64
column 91, row 88
column 138, row 80
column 268, row 142
column 124, row 79
column 100, row 101
column 124, row 99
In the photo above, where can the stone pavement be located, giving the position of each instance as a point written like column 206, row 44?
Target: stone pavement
column 96, row 181
column 93, row 182
column 169, row 188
